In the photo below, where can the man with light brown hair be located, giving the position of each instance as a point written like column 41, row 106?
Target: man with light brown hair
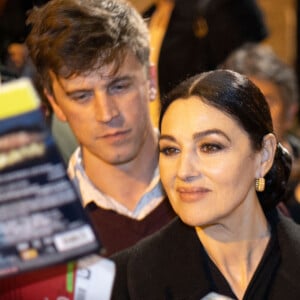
column 97, row 77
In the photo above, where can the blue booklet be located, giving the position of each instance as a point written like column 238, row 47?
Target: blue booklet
column 42, row 221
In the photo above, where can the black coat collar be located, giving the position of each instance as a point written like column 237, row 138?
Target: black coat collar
column 170, row 264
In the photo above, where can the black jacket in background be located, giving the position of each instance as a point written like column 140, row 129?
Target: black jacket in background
column 188, row 48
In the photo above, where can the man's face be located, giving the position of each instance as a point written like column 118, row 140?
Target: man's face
column 108, row 112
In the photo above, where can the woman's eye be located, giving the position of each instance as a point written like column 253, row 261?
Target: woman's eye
column 168, row 151
column 211, row 148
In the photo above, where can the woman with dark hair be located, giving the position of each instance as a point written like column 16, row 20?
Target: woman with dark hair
column 224, row 173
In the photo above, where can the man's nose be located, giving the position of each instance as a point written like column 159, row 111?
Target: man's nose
column 106, row 107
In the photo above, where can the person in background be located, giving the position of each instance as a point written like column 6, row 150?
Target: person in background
column 192, row 36
column 12, row 23
column 17, row 56
column 14, row 59
column 97, row 78
column 224, row 172
column 278, row 83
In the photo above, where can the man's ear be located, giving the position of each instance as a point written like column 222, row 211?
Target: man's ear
column 57, row 110
column 267, row 154
column 152, row 82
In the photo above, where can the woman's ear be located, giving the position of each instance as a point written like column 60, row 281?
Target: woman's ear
column 267, row 154
column 57, row 110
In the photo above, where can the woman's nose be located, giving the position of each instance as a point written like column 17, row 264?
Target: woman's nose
column 188, row 166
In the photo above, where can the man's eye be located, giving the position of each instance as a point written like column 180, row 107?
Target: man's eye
column 119, row 87
column 168, row 151
column 211, row 148
column 81, row 97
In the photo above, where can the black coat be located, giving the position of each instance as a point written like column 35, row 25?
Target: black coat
column 168, row 266
column 201, row 33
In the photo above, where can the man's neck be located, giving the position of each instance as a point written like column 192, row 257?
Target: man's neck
column 127, row 182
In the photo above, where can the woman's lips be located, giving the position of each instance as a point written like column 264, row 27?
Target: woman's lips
column 192, row 194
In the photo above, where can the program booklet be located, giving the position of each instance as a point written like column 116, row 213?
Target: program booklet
column 42, row 221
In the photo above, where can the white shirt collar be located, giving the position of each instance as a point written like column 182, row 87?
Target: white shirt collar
column 152, row 197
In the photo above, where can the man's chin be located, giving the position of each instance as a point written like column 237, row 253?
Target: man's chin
column 122, row 160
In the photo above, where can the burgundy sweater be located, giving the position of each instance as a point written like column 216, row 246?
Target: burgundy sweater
column 117, row 232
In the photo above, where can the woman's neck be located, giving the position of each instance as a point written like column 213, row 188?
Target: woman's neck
column 236, row 251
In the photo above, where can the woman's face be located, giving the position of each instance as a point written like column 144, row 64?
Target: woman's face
column 207, row 164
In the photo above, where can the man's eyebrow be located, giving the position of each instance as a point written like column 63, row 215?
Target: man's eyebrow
column 116, row 79
column 111, row 80
column 70, row 92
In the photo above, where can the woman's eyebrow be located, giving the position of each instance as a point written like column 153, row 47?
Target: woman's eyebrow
column 197, row 135
column 201, row 134
column 167, row 137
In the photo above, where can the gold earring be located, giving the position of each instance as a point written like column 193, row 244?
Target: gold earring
column 260, row 184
